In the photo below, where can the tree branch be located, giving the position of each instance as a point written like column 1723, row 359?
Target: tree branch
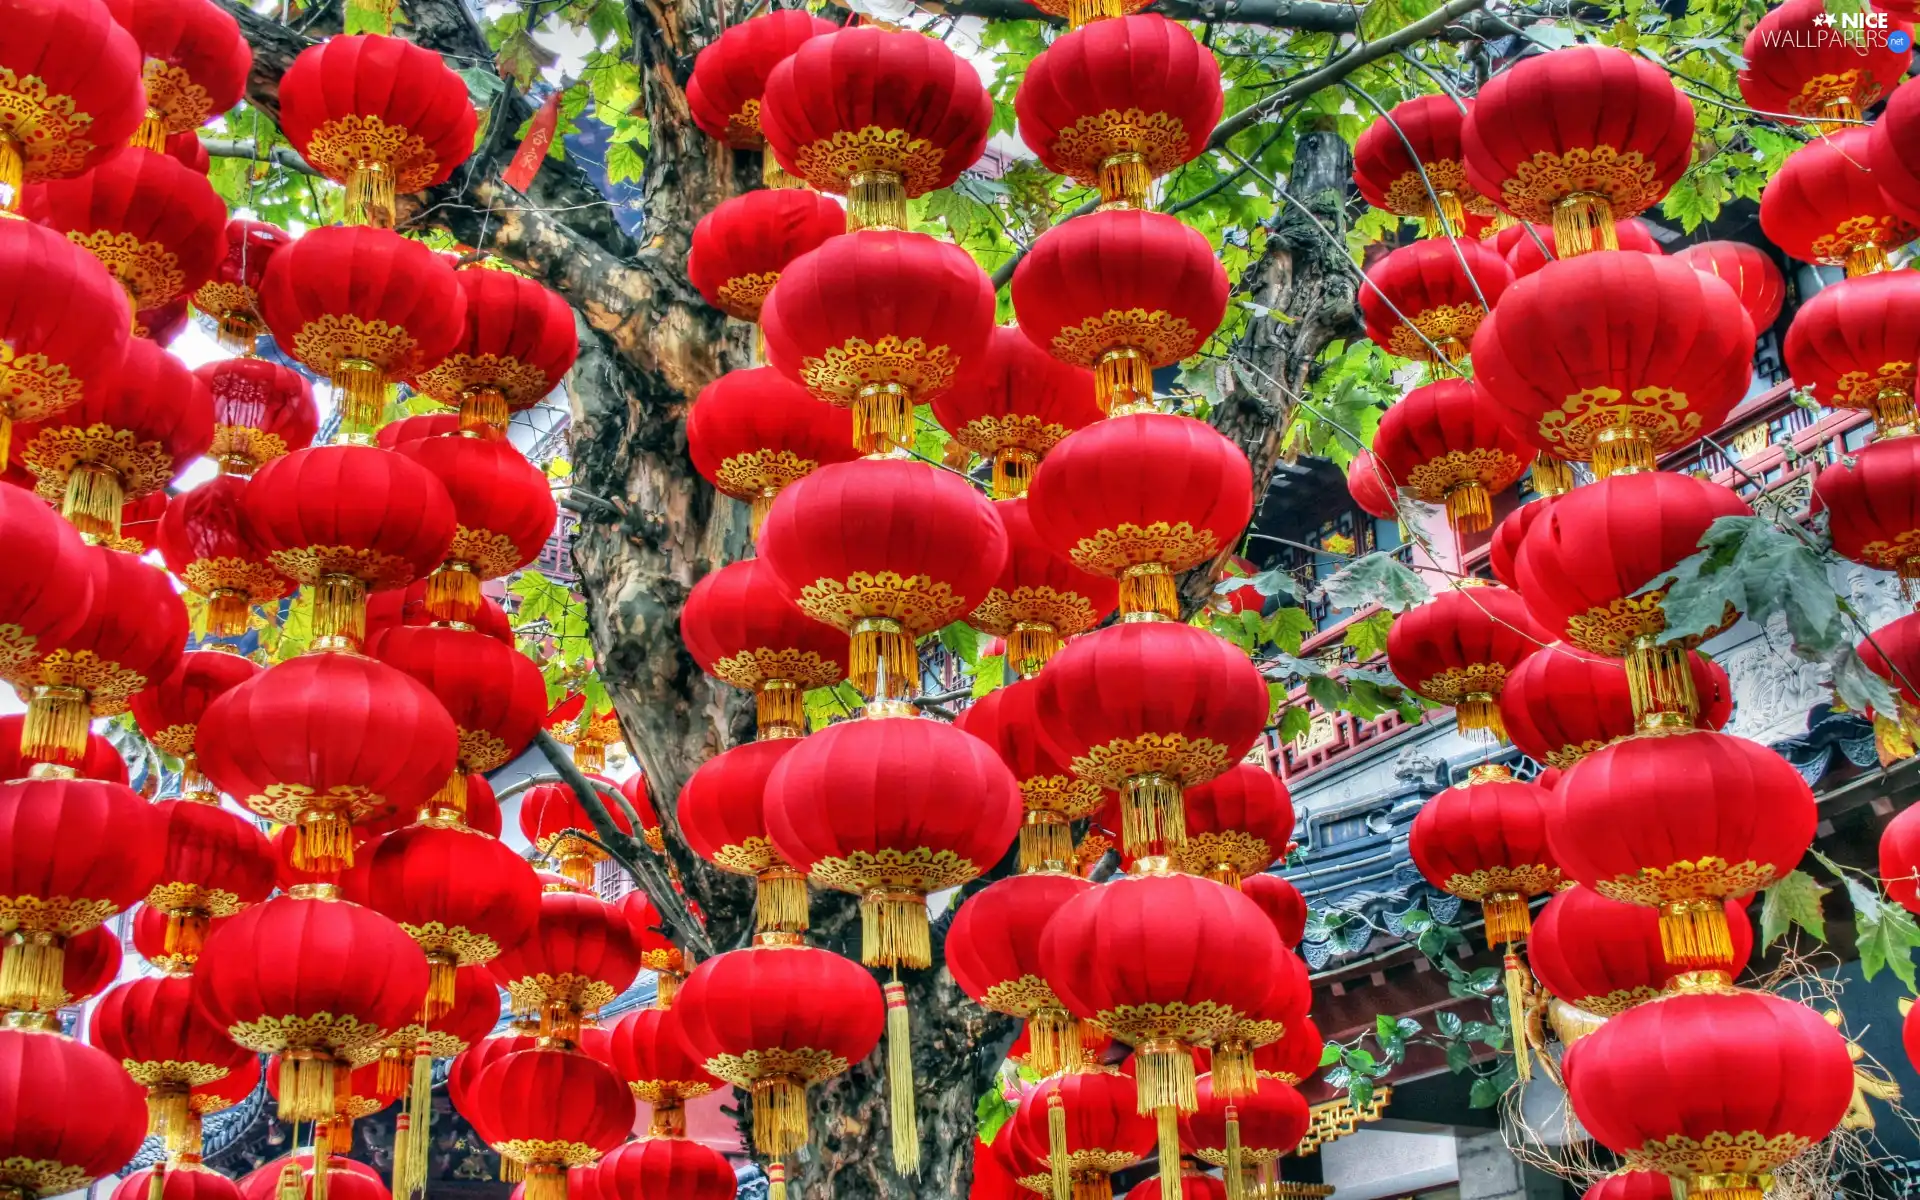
column 281, row 156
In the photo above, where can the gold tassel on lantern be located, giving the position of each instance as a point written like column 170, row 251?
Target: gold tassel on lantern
column 1582, row 223
column 94, row 497
column 876, row 200
column 449, row 804
column 1508, row 918
column 1893, row 411
column 13, row 169
column 882, row 418
column 322, row 1157
column 363, row 392
column 56, row 724
column 776, row 176
column 1122, row 380
column 906, row 1125
column 590, row 756
column 483, row 411
column 1233, row 1071
column 779, row 1115
column 1477, row 716
column 306, row 1086
column 32, row 969
column 1124, row 180
column 1031, row 645
column 1148, row 591
column 453, row 592
column 1622, row 450
column 1013, row 468
column 1550, row 476
column 1053, row 1037
column 1660, row 681
column 1469, row 507
column 1085, row 12
column 1167, row 1151
column 152, row 132
column 339, row 613
column 546, row 1181
column 779, row 710
column 881, row 660
column 157, row 1181
column 668, row 1119
column 419, row 1117
column 370, row 195
column 1153, row 815
column 1046, row 842
column 228, row 612
column 781, row 901
column 323, row 841
column 1870, row 259
column 1163, row 1073
column 1728, row 1187
column 167, row 1111
column 1450, row 208
column 1516, row 981
column 238, row 332
column 1236, row 1166
column 1694, row 935
column 1059, row 1174
column 292, row 1187
column 893, row 927
column 776, row 1171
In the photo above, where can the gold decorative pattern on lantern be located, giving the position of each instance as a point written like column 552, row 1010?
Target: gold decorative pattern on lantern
column 64, row 916
column 838, row 374
column 176, row 897
column 1159, row 138
column 218, row 299
column 1233, row 850
column 1658, row 414
column 1446, row 326
column 258, row 581
column 920, row 604
column 32, row 388
column 742, row 295
column 109, row 686
column 1117, row 547
column 830, row 163
column 16, row 651
column 327, row 340
column 148, row 270
column 54, row 452
column 161, row 1072
column 1573, row 752
column 1709, row 878
column 1885, row 230
column 172, row 93
column 1068, row 612
column 319, row 1031
column 42, row 1176
column 529, row 994
column 746, row 476
column 802, row 668
column 1748, row 1153
column 521, row 383
column 1859, row 389
column 1408, row 197
column 308, row 564
column 1899, row 554
column 1821, row 94
column 1021, row 997
column 176, row 740
column 49, row 135
column 1494, row 469
column 490, row 554
column 744, row 1070
column 1083, row 1163
column 920, row 869
column 1617, row 1001
column 1253, row 1156
column 287, row 802
column 1159, row 335
column 238, row 441
column 749, row 857
column 1611, row 630
column 1200, row 1024
column 1532, row 880
column 459, row 942
column 1015, row 431
column 1539, row 184
column 1458, row 683
column 1194, row 760
column 1066, row 794
column 353, row 140
column 481, row 751
column 541, row 1150
column 743, row 127
column 657, row 1091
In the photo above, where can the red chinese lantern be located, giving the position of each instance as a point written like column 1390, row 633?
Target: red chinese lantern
column 1681, row 823
column 657, row 951
column 132, row 634
column 1233, row 1059
column 1092, row 504
column 888, row 551
column 730, row 76
column 1458, row 648
column 993, row 950
column 72, row 94
column 101, row 760
column 1798, row 66
column 494, row 694
column 1561, row 703
column 344, row 1179
column 1238, row 825
column 472, row 1062
column 722, row 816
column 876, row 116
column 665, row 1167
column 1424, row 301
column 1578, row 138
column 1528, row 253
column 1281, row 901
column 1751, row 272
column 124, row 442
column 184, row 1180
column 1164, row 963
column 1823, row 205
column 879, row 321
column 154, row 1029
column 1371, row 487
column 1854, row 345
column 652, row 830
column 209, row 547
column 320, row 982
column 647, row 1051
column 346, row 520
column 216, row 865
column 395, row 607
column 549, row 810
column 1122, row 292
column 1017, row 406
column 196, row 64
column 1631, row 1185
column 92, row 963
column 504, row 511
column 549, row 1109
column 1247, row 1132
column 1605, row 956
column 325, row 741
column 1714, row 1090
column 232, row 296
column 1148, row 710
column 363, row 307
column 361, row 1092
column 1895, row 163
column 579, row 957
column 589, row 733
column 741, row 627
column 1041, row 598
column 380, row 115
column 1585, row 559
column 740, row 248
column 751, row 433
column 162, row 326
column 1448, row 444
column 518, row 343
column 157, row 226
column 1073, row 1132
column 63, row 338
column 1616, row 359
column 139, row 522
column 1294, row 1060
column 1419, row 135
column 773, row 1020
column 68, row 1114
column 1893, row 653
column 261, row 410
column 1116, row 104
column 49, row 583
column 1007, row 719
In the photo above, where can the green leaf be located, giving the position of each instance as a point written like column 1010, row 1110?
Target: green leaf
column 1368, row 636
column 364, row 17
column 1484, row 1093
column 1376, row 578
column 1459, row 1057
column 1276, row 699
column 1327, row 692
column 1289, row 628
column 1358, row 1060
column 988, row 674
column 1329, row 1054
column 991, row 1113
column 1276, row 583
column 1360, row 1091
column 1386, row 1027
column 625, row 163
column 521, row 59
column 1689, row 205
column 1447, row 1022
column 1886, row 933
column 1759, row 569
column 1794, row 899
column 961, row 641
column 1857, row 685
column 1295, row 722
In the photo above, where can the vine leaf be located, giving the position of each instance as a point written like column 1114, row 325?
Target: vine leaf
column 1886, row 933
column 1794, row 899
column 1375, row 579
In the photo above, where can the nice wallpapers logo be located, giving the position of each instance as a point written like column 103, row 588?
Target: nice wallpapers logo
column 1860, row 30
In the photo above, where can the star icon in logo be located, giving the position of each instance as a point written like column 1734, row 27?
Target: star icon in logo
column 1825, row 20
